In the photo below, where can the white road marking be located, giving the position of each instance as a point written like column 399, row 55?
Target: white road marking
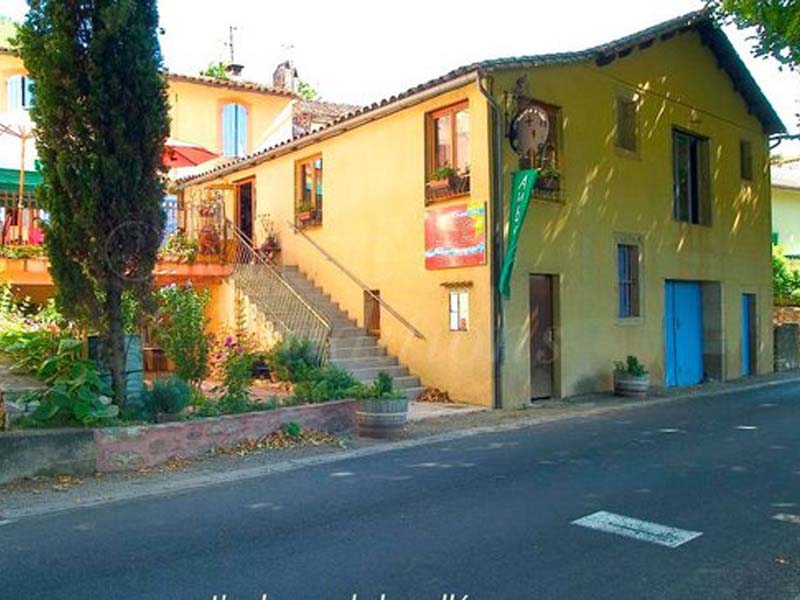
column 645, row 531
column 5, row 522
column 747, row 428
column 787, row 518
column 669, row 430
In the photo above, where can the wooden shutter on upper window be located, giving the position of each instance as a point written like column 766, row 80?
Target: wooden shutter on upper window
column 704, row 182
column 626, row 124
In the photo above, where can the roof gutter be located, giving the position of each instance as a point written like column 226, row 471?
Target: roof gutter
column 336, row 129
column 498, row 237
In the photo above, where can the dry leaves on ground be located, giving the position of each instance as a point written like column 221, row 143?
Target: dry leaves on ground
column 66, row 482
column 278, row 440
column 432, row 394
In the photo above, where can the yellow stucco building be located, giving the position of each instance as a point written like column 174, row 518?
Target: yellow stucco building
column 648, row 232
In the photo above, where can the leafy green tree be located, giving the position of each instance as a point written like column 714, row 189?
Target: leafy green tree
column 306, row 91
column 777, row 24
column 216, row 70
column 101, row 114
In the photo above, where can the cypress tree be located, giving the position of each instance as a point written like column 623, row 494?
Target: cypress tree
column 101, row 117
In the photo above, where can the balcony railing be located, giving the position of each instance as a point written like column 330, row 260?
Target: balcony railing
column 20, row 221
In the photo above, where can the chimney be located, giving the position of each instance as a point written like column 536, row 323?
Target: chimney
column 234, row 70
column 285, row 77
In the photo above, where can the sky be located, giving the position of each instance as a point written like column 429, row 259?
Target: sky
column 361, row 51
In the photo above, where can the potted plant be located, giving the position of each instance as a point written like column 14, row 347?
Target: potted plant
column 549, row 178
column 441, row 180
column 304, row 210
column 271, row 244
column 382, row 411
column 631, row 379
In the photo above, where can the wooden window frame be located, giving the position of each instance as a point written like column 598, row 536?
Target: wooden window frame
column 313, row 217
column 620, row 101
column 699, row 185
column 459, row 184
column 547, row 188
column 454, row 300
column 629, row 288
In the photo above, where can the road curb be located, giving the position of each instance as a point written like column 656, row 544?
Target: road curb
column 188, row 484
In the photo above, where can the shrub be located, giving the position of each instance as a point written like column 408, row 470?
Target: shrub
column 380, row 389
column 322, row 385
column 75, row 392
column 168, row 396
column 631, row 366
column 180, row 329
column 293, row 360
column 238, row 368
column 293, row 429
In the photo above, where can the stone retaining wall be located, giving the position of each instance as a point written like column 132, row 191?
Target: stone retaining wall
column 53, row 452
column 131, row 448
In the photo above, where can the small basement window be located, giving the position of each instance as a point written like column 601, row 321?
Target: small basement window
column 459, row 310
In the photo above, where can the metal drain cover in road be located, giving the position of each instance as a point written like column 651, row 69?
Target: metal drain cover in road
column 671, row 537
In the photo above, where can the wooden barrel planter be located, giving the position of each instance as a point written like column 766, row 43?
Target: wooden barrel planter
column 383, row 418
column 631, row 386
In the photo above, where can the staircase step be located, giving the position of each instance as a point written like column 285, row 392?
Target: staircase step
column 412, row 393
column 342, row 332
column 407, row 382
column 365, row 362
column 364, row 341
column 338, row 354
column 370, row 373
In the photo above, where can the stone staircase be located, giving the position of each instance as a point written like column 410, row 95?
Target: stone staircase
column 351, row 348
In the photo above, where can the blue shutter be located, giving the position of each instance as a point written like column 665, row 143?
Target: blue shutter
column 241, row 130
column 229, row 130
column 15, row 83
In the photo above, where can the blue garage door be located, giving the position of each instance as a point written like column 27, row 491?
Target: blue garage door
column 683, row 320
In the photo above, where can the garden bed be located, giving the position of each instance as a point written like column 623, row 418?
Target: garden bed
column 106, row 450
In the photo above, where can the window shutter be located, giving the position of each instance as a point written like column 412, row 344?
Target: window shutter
column 14, row 89
column 229, row 130
column 704, row 182
column 241, row 130
column 29, row 95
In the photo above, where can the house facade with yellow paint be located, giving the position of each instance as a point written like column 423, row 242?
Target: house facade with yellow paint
column 786, row 207
column 648, row 232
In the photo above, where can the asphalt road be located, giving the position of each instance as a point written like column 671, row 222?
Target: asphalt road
column 488, row 517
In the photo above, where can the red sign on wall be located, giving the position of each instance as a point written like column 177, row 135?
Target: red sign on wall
column 455, row 236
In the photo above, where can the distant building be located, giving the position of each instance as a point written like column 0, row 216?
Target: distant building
column 786, row 207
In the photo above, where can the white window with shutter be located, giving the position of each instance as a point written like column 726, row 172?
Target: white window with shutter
column 19, row 92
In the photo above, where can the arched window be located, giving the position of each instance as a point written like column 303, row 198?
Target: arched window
column 234, row 130
column 20, row 92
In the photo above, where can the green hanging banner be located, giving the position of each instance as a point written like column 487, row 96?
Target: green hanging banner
column 520, row 200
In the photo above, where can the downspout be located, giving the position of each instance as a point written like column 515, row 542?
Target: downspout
column 498, row 236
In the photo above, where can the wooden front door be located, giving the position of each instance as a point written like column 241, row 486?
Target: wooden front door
column 749, row 349
column 542, row 336
column 683, row 322
column 372, row 313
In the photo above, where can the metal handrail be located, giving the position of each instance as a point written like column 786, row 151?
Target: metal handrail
column 417, row 333
column 276, row 297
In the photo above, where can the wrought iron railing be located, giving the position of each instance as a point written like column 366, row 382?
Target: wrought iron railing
column 275, row 297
